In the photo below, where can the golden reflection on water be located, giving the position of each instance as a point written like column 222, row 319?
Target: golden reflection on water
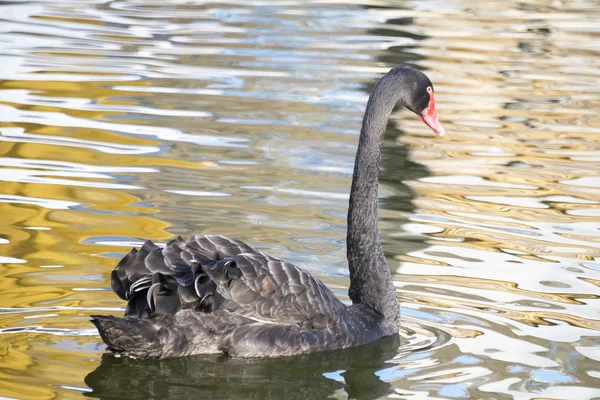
column 123, row 120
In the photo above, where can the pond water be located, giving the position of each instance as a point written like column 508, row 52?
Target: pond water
column 122, row 120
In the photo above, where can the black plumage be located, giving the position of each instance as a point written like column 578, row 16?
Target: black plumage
column 213, row 294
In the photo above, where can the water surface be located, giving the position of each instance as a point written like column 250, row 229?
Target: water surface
column 123, row 120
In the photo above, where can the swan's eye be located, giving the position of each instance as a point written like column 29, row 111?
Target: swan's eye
column 429, row 89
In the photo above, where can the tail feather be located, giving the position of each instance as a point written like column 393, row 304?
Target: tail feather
column 128, row 336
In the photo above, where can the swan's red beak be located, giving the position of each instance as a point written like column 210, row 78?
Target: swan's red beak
column 430, row 117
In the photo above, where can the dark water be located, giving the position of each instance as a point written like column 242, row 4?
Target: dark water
column 131, row 119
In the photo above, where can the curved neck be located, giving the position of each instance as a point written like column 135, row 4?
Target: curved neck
column 370, row 278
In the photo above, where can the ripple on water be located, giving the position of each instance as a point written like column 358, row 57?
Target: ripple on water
column 128, row 120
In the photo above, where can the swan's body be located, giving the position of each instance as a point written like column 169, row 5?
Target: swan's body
column 212, row 294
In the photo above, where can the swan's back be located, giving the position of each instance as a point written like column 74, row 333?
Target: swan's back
column 211, row 294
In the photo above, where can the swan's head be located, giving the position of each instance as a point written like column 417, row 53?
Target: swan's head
column 420, row 100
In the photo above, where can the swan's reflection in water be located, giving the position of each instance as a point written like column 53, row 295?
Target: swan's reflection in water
column 315, row 376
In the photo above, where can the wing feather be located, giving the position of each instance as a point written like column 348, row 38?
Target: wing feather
column 209, row 273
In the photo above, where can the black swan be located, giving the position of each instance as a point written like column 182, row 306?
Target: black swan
column 212, row 294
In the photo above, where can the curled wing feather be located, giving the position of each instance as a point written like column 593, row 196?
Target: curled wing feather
column 212, row 273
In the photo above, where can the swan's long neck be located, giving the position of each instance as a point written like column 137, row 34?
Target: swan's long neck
column 370, row 278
